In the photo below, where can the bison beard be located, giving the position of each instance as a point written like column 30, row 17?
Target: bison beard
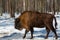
column 30, row 19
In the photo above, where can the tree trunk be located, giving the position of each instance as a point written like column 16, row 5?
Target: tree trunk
column 54, row 6
column 3, row 6
column 12, row 6
column 0, row 7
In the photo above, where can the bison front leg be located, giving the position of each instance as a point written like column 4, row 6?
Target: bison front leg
column 25, row 33
column 32, row 33
column 47, row 33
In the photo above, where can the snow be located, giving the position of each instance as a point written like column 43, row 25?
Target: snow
column 8, row 32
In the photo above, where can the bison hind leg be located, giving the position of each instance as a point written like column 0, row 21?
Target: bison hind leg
column 47, row 33
column 52, row 29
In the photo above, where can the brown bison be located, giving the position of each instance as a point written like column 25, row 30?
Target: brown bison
column 30, row 19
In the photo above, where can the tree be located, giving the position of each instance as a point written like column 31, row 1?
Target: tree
column 12, row 8
column 54, row 7
column 3, row 6
column 0, row 7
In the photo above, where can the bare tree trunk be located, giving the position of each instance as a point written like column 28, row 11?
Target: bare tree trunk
column 20, row 6
column 36, row 5
column 12, row 6
column 26, row 5
column 54, row 7
column 16, row 8
column 46, row 6
column 3, row 6
column 23, row 5
column 0, row 7
column 42, row 6
column 39, row 6
column 7, row 2
column 50, row 6
column 58, row 6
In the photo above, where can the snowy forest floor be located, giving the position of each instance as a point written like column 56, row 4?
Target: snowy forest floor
column 8, row 32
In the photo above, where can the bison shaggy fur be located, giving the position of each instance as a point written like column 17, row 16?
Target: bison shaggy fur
column 30, row 19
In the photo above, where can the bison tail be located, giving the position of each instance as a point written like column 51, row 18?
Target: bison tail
column 55, row 23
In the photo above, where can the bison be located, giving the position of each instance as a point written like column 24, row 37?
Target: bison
column 30, row 19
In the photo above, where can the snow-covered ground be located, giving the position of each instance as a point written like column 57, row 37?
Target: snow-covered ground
column 8, row 32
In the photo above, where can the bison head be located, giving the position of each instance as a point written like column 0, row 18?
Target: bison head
column 18, row 24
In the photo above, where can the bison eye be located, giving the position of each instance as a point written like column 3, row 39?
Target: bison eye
column 17, row 19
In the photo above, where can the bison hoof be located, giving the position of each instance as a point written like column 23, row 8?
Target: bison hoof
column 56, row 28
column 31, row 38
column 56, row 37
column 23, row 37
column 46, row 37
